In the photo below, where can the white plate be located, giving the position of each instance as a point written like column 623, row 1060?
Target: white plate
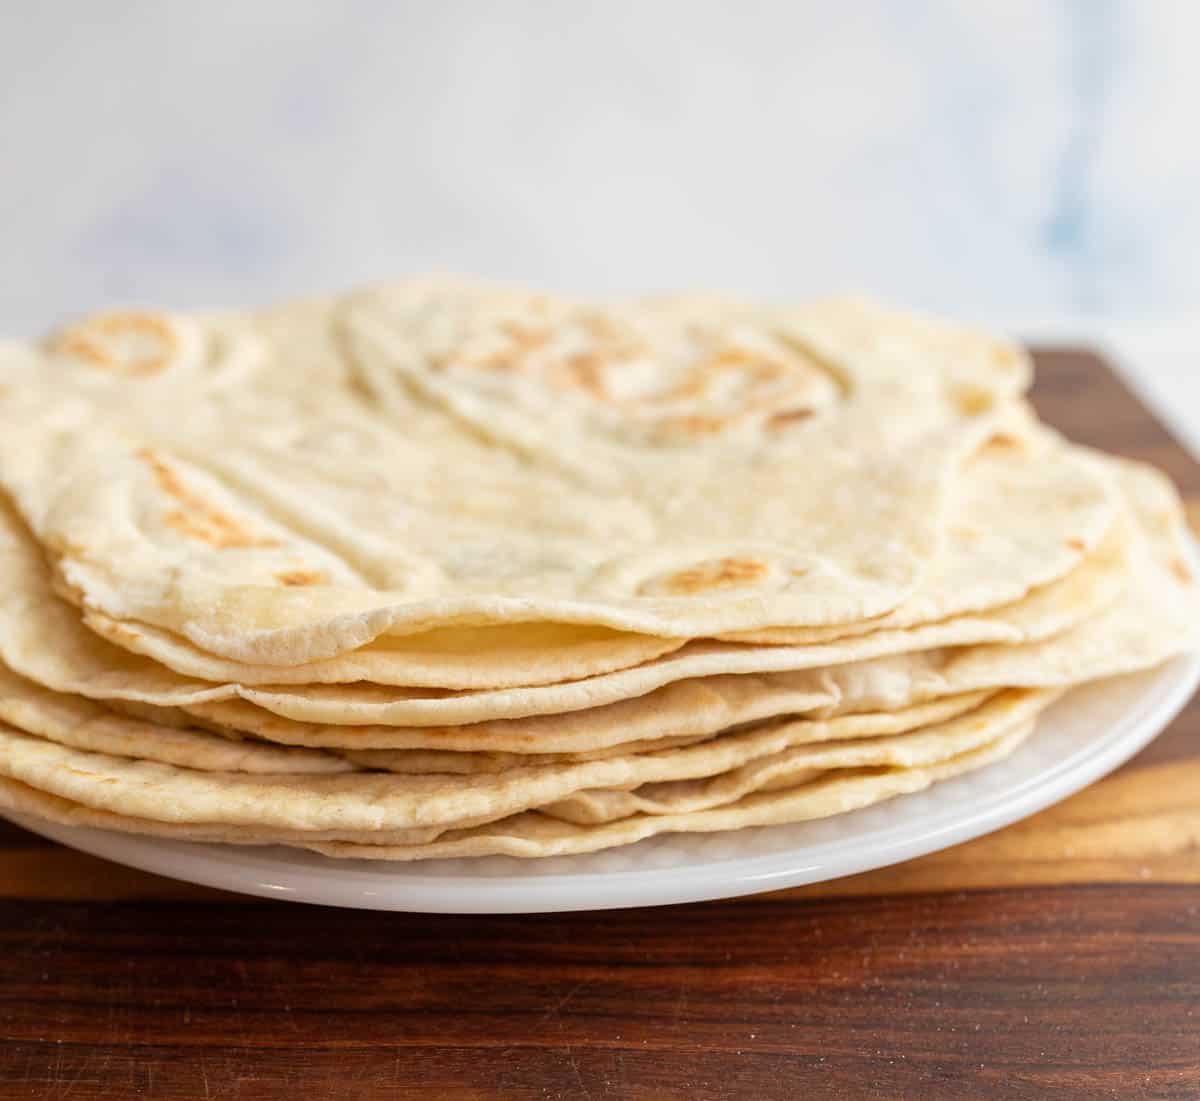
column 1084, row 736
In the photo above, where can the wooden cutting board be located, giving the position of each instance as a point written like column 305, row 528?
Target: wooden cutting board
column 1057, row 958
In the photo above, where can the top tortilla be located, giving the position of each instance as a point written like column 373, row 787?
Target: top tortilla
column 287, row 487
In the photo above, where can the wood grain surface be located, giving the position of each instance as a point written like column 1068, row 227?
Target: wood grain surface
column 1059, row 958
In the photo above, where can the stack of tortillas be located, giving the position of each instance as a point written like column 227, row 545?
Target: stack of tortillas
column 443, row 569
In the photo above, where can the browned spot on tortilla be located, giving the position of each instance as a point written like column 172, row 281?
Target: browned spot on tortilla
column 1003, row 440
column 163, row 474
column 198, row 518
column 587, row 372
column 600, row 326
column 789, row 417
column 1077, row 545
column 972, row 401
column 694, row 425
column 1181, row 570
column 524, row 337
column 721, row 573
column 734, row 357
column 692, row 386
column 296, row 578
column 683, row 395
column 770, row 386
column 216, row 528
column 961, row 531
column 88, row 342
column 497, row 361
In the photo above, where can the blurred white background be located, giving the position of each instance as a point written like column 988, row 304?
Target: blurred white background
column 984, row 158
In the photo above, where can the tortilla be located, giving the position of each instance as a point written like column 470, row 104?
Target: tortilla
column 666, row 693
column 726, row 749
column 41, row 639
column 801, row 762
column 532, row 833
column 371, row 801
column 1026, row 511
column 83, row 724
column 536, row 835
column 650, row 468
column 1032, row 511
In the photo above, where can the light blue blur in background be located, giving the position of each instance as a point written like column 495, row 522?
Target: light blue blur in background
column 1005, row 158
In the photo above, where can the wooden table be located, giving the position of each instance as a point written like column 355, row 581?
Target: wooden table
column 1059, row 958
